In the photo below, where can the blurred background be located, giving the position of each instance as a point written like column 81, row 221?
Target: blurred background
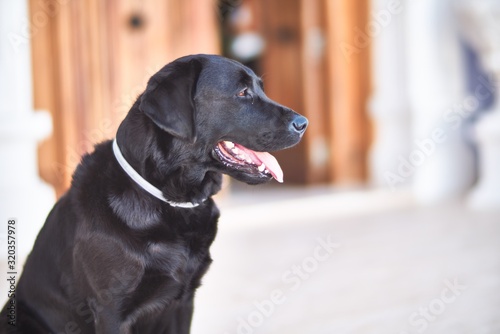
column 389, row 218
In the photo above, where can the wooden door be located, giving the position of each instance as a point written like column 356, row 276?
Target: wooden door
column 92, row 58
column 292, row 72
column 348, row 89
column 305, row 68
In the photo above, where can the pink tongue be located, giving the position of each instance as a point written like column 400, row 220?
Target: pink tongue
column 267, row 159
column 272, row 165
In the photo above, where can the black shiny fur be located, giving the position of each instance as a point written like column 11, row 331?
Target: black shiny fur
column 111, row 258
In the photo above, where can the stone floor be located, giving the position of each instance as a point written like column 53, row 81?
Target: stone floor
column 361, row 262
column 323, row 261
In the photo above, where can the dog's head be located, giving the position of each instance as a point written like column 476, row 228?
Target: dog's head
column 216, row 108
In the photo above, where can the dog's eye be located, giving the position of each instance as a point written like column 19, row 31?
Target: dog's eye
column 243, row 92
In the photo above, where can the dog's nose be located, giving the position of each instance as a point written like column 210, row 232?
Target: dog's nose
column 300, row 124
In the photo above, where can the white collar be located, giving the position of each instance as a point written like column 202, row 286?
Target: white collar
column 143, row 183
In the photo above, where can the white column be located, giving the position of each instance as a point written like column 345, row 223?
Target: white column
column 389, row 107
column 443, row 164
column 480, row 20
column 23, row 195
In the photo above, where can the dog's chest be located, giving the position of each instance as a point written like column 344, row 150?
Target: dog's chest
column 173, row 259
column 173, row 269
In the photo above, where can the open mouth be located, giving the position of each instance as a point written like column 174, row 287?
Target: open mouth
column 239, row 157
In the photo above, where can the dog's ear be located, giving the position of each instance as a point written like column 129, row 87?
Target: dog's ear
column 168, row 99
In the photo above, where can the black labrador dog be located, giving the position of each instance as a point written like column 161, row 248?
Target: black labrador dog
column 124, row 250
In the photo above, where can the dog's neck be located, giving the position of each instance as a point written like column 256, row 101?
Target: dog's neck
column 165, row 169
column 144, row 184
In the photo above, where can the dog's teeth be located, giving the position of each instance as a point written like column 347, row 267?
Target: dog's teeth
column 247, row 159
column 235, row 150
column 262, row 168
column 229, row 144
